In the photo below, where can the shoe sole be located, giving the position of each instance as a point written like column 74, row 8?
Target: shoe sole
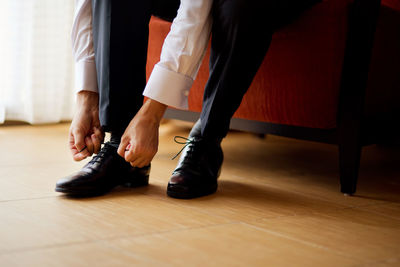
column 82, row 193
column 181, row 192
column 92, row 192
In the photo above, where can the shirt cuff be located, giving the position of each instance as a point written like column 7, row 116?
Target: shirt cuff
column 85, row 76
column 168, row 87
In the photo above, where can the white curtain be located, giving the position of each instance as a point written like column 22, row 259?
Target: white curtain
column 36, row 65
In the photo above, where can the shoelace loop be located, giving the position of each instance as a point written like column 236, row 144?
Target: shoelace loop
column 101, row 153
column 102, row 143
column 185, row 142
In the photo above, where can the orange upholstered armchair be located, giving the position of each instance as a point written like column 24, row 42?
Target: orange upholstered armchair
column 316, row 82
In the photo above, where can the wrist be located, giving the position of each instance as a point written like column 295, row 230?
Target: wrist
column 87, row 99
column 153, row 111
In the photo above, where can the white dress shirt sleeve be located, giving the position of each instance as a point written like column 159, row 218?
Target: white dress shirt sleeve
column 181, row 55
column 82, row 47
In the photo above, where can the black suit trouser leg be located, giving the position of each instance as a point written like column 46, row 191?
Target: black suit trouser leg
column 241, row 34
column 120, row 38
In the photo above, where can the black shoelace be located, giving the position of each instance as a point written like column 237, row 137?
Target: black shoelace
column 103, row 151
column 187, row 142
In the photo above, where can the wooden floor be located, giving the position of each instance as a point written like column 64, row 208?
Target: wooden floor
column 278, row 204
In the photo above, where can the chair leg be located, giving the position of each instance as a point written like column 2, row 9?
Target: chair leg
column 360, row 38
column 349, row 164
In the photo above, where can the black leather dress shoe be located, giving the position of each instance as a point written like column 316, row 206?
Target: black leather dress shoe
column 198, row 168
column 104, row 172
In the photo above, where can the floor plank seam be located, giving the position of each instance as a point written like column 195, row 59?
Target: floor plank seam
column 239, row 221
column 382, row 261
column 204, row 211
column 302, row 241
column 317, row 197
column 25, row 199
column 120, row 237
column 42, row 162
column 379, row 213
column 371, row 212
column 129, row 253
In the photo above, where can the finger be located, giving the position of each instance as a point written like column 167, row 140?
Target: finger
column 146, row 161
column 89, row 145
column 79, row 139
column 84, row 153
column 99, row 134
column 96, row 143
column 128, row 147
column 139, row 163
column 79, row 156
column 75, row 153
column 80, row 146
column 131, row 155
column 71, row 143
column 135, row 162
column 122, row 146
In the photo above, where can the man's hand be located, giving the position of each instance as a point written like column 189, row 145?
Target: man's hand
column 85, row 134
column 139, row 143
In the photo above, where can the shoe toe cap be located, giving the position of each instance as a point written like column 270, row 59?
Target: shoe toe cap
column 71, row 181
column 64, row 182
column 177, row 179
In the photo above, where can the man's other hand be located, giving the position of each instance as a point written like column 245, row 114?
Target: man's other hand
column 139, row 143
column 85, row 134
